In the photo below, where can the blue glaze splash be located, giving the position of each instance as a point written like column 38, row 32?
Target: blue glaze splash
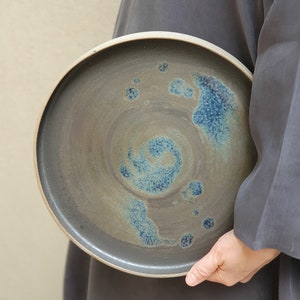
column 178, row 87
column 151, row 170
column 215, row 106
column 131, row 93
column 208, row 223
column 196, row 188
column 192, row 190
column 163, row 67
column 186, row 240
column 137, row 80
column 147, row 231
column 188, row 93
column 196, row 212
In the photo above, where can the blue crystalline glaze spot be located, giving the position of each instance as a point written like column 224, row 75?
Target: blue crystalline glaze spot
column 186, row 240
column 196, row 212
column 163, row 67
column 208, row 223
column 195, row 188
column 147, row 170
column 125, row 172
column 176, row 87
column 137, row 80
column 147, row 231
column 144, row 226
column 192, row 190
column 179, row 88
column 131, row 93
column 188, row 93
column 216, row 104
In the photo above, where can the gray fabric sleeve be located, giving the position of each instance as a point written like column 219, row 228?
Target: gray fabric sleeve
column 267, row 209
column 232, row 25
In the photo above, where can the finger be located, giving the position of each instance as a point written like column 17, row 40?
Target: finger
column 202, row 270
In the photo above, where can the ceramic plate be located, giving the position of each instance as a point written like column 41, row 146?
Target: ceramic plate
column 142, row 147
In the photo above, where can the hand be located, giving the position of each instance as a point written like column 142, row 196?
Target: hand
column 229, row 261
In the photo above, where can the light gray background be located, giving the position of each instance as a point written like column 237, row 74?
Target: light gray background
column 39, row 41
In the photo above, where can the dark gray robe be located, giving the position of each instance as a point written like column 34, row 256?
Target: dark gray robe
column 265, row 36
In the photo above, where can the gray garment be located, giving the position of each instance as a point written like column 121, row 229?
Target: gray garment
column 265, row 36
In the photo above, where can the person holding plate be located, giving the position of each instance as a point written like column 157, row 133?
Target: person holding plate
column 259, row 258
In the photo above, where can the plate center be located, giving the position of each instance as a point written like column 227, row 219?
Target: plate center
column 151, row 156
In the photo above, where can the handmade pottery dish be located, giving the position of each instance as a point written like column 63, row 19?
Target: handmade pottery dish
column 142, row 147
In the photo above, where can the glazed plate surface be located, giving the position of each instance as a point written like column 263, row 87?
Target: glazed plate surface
column 141, row 150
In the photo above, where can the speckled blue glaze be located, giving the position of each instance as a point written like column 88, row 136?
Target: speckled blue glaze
column 131, row 93
column 186, row 240
column 137, row 80
column 195, row 188
column 192, row 190
column 147, row 169
column 196, row 212
column 216, row 104
column 163, row 67
column 208, row 223
column 179, row 88
column 146, row 229
column 188, row 92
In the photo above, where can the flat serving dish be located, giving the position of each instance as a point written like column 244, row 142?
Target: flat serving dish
column 142, row 147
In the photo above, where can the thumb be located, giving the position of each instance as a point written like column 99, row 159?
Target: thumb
column 202, row 270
